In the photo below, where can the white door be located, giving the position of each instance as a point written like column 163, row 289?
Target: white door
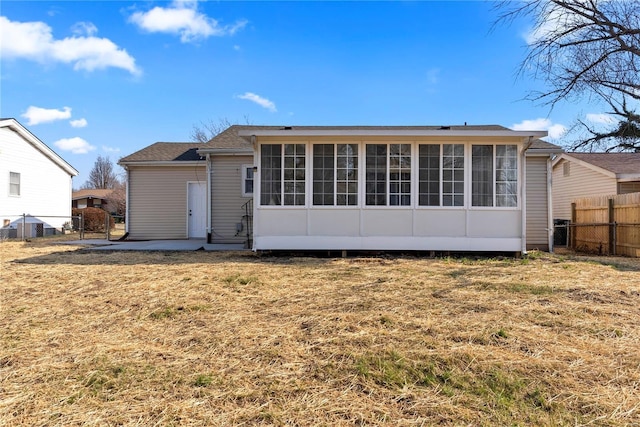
column 197, row 209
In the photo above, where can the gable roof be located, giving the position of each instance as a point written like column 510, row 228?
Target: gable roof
column 165, row 152
column 618, row 163
column 94, row 193
column 30, row 138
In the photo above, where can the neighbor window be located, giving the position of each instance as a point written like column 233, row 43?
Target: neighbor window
column 282, row 178
column 441, row 175
column 494, row 175
column 335, row 174
column 14, row 184
column 388, row 173
column 247, row 180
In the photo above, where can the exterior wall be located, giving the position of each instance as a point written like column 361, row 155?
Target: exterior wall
column 629, row 187
column 537, row 203
column 411, row 227
column 226, row 199
column 581, row 182
column 45, row 188
column 158, row 200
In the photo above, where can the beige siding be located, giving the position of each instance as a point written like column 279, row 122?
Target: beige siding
column 628, row 187
column 158, row 201
column 226, row 198
column 581, row 182
column 537, row 204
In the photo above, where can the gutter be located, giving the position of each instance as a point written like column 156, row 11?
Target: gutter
column 208, row 199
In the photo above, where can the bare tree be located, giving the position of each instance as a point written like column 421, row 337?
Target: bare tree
column 207, row 130
column 102, row 175
column 117, row 199
column 586, row 48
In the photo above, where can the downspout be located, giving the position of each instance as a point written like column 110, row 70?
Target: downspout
column 127, row 200
column 550, row 203
column 523, row 204
column 256, row 192
column 209, row 213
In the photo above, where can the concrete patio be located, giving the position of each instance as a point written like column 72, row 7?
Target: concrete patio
column 154, row 245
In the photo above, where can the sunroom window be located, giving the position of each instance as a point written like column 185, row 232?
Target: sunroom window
column 494, row 175
column 388, row 173
column 441, row 175
column 282, row 179
column 335, row 174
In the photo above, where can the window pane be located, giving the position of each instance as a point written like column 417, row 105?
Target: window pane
column 347, row 174
column 399, row 174
column 271, row 173
column 482, row 175
column 376, row 174
column 294, row 174
column 429, row 175
column 507, row 175
column 14, row 183
column 453, row 175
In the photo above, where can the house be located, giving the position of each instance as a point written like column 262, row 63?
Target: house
column 91, row 198
column 451, row 188
column 34, row 180
column 577, row 175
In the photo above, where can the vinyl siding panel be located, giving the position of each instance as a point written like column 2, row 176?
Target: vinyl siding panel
column 158, row 200
column 226, row 198
column 45, row 188
column 581, row 182
column 537, row 204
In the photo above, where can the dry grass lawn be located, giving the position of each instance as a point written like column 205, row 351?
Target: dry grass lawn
column 201, row 338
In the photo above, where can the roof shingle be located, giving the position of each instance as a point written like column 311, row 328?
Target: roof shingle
column 618, row 163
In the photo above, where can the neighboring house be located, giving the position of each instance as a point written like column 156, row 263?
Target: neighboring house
column 91, row 198
column 453, row 188
column 577, row 175
column 34, row 180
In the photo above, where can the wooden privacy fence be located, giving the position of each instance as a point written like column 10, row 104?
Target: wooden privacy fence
column 606, row 225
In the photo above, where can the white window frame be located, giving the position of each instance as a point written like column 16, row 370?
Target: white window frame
column 244, row 178
column 13, row 184
column 518, row 181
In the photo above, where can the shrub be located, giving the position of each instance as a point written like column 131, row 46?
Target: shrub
column 94, row 219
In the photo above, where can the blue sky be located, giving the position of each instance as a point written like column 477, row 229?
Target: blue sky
column 108, row 78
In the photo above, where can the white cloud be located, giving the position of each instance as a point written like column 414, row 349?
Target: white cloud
column 37, row 115
column 110, row 149
column 80, row 123
column 182, row 18
column 76, row 145
column 555, row 130
column 601, row 118
column 84, row 29
column 263, row 102
column 34, row 41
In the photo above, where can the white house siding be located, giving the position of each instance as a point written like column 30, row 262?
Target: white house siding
column 227, row 200
column 537, row 204
column 45, row 188
column 581, row 182
column 158, row 200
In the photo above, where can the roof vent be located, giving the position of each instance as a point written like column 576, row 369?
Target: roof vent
column 445, row 127
column 287, row 128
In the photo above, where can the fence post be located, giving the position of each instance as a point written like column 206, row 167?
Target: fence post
column 24, row 226
column 572, row 228
column 612, row 231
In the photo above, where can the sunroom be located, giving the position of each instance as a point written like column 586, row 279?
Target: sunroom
column 455, row 188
